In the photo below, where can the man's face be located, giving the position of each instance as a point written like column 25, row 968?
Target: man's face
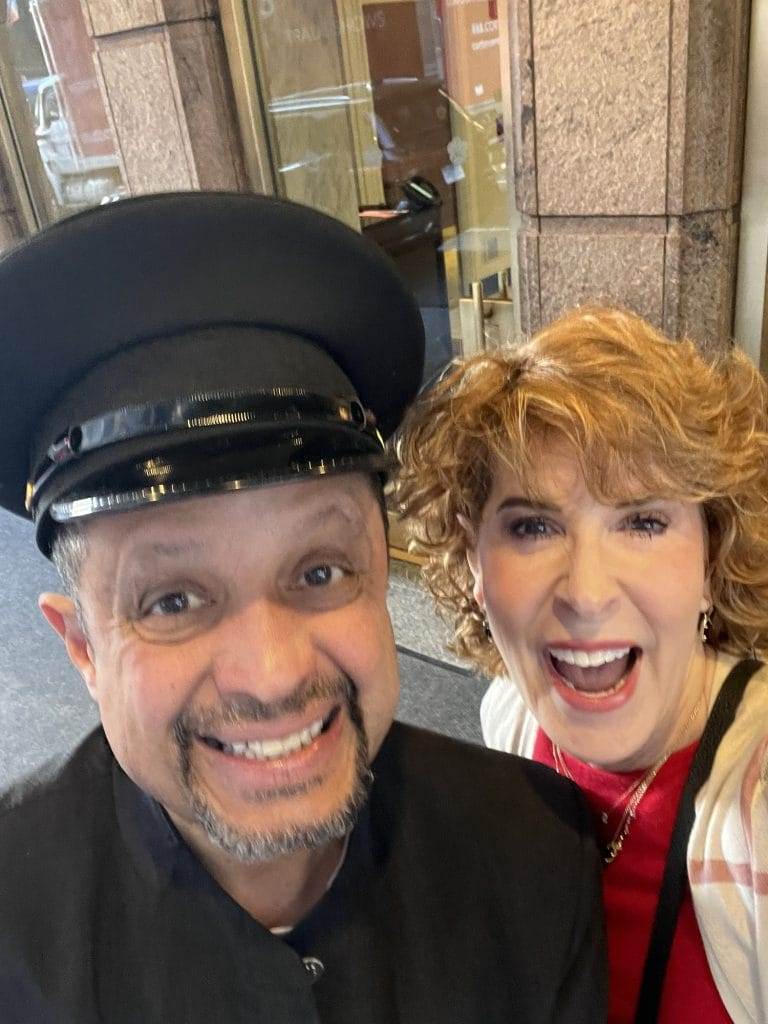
column 242, row 657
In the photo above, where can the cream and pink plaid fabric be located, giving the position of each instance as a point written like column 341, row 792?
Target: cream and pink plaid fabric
column 728, row 848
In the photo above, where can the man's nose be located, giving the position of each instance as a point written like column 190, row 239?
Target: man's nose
column 588, row 586
column 264, row 650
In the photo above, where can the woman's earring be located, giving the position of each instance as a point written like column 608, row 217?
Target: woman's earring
column 486, row 628
column 704, row 624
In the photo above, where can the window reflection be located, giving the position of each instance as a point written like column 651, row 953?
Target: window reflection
column 50, row 82
column 389, row 116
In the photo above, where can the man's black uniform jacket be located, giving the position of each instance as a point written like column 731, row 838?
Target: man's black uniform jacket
column 469, row 894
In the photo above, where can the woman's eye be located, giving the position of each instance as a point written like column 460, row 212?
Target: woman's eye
column 176, row 603
column 530, row 528
column 646, row 525
column 323, row 575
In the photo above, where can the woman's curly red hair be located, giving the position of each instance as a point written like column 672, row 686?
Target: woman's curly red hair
column 639, row 410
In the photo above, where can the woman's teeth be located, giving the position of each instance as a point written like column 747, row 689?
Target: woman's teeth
column 595, row 673
column 268, row 750
column 588, row 659
column 596, row 694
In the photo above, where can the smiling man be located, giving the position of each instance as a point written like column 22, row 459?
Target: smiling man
column 194, row 419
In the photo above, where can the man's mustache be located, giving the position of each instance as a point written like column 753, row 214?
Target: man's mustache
column 244, row 707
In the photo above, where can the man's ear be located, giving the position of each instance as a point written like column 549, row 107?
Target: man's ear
column 473, row 560
column 63, row 618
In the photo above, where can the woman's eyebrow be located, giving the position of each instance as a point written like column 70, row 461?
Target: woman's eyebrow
column 646, row 499
column 518, row 501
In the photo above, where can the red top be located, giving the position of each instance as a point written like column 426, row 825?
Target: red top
column 631, row 886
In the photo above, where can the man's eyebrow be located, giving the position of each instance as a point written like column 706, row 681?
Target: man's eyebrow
column 167, row 549
column 347, row 511
column 518, row 501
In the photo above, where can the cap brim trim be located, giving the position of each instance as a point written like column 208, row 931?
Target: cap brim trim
column 234, row 411
column 79, row 508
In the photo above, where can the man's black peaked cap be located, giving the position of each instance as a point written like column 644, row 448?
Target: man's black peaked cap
column 177, row 344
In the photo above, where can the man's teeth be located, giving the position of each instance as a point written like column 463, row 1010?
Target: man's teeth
column 588, row 659
column 267, row 750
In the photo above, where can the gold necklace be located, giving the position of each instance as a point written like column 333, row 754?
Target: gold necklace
column 635, row 793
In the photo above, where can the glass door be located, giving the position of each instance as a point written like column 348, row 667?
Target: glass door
column 390, row 116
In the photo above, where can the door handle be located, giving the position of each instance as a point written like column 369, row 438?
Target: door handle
column 478, row 314
column 486, row 323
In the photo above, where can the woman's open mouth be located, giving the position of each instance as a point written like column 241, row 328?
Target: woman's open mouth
column 594, row 678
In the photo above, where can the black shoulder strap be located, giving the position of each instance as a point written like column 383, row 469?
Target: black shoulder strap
column 675, row 872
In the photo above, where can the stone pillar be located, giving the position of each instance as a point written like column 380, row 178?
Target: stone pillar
column 628, row 122
column 164, row 75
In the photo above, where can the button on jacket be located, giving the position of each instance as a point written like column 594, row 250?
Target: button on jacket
column 469, row 893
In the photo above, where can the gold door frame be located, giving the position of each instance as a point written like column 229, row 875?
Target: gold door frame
column 25, row 175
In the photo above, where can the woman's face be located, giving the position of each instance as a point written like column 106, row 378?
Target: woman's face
column 594, row 609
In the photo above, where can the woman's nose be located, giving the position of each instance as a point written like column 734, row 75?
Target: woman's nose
column 588, row 585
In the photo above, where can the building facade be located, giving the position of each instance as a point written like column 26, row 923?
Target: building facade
column 514, row 157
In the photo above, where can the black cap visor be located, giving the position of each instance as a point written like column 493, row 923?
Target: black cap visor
column 133, row 475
